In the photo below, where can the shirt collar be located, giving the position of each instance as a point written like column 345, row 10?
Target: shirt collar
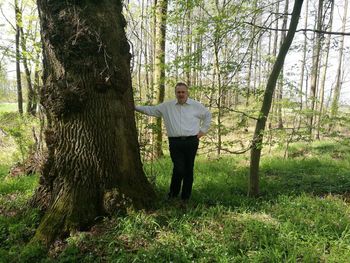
column 188, row 102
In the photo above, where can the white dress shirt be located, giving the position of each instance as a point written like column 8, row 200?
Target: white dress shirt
column 180, row 119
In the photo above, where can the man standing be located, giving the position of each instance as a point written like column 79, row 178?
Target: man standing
column 186, row 121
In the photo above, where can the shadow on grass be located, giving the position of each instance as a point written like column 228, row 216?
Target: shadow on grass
column 225, row 181
column 314, row 175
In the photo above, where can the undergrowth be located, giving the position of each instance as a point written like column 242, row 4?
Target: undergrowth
column 302, row 215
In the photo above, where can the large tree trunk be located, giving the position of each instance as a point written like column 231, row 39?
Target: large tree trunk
column 265, row 108
column 93, row 163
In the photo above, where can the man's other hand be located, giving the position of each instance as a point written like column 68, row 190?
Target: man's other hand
column 200, row 134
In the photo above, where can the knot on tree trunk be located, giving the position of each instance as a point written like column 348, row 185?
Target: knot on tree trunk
column 64, row 97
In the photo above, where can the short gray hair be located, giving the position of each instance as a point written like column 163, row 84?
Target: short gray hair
column 181, row 84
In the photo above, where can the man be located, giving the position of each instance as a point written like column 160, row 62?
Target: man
column 186, row 121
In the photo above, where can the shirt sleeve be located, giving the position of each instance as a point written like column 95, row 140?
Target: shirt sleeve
column 206, row 120
column 150, row 110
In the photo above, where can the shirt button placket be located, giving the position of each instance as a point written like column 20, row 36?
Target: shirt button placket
column 181, row 134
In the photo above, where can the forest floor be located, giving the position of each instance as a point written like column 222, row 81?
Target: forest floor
column 302, row 215
column 9, row 106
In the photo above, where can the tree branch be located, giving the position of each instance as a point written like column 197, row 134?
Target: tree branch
column 301, row 30
column 237, row 152
column 8, row 21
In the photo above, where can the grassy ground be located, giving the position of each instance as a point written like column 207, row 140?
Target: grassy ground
column 303, row 215
column 8, row 107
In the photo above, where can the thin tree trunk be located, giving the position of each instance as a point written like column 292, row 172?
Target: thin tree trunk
column 18, row 57
column 265, row 108
column 280, row 82
column 141, row 51
column 147, row 62
column 303, row 63
column 188, row 68
column 250, row 69
column 31, row 94
column 324, row 74
column 23, row 45
column 217, row 72
column 315, row 66
column 36, row 86
column 159, row 67
column 338, row 84
column 251, row 56
column 274, row 54
column 218, row 101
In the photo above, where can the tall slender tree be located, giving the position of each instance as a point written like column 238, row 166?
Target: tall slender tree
column 303, row 61
column 315, row 65
column 338, row 84
column 279, row 92
column 159, row 66
column 31, row 104
column 266, row 105
column 324, row 74
column 18, row 57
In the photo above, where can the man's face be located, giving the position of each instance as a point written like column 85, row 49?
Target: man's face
column 181, row 93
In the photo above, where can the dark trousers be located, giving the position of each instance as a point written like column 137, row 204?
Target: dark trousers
column 182, row 152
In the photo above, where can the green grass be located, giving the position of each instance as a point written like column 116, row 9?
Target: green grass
column 302, row 215
column 8, row 107
column 17, row 221
column 16, row 136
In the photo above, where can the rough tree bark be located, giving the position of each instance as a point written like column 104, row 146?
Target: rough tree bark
column 93, row 165
column 265, row 108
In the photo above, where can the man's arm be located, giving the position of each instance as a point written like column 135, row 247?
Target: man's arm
column 149, row 110
column 206, row 120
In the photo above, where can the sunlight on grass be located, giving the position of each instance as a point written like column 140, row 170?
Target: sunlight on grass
column 258, row 217
column 8, row 107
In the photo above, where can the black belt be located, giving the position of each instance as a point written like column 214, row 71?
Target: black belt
column 183, row 137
